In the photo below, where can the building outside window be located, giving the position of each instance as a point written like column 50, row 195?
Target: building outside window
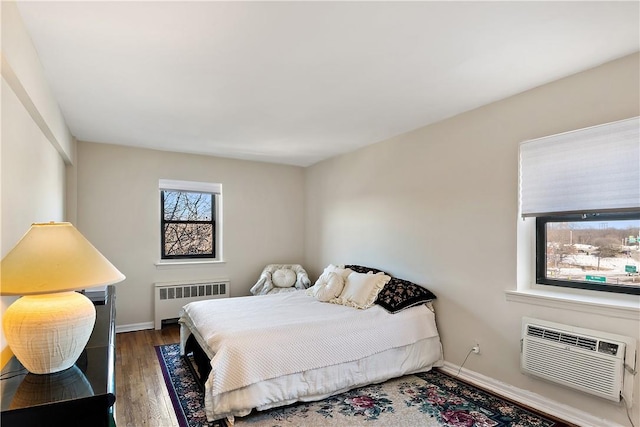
column 590, row 251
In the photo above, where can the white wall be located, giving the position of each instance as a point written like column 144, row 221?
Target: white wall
column 118, row 205
column 439, row 206
column 35, row 141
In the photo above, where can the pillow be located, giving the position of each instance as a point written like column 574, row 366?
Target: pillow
column 363, row 270
column 339, row 269
column 330, row 288
column 283, row 278
column 323, row 281
column 399, row 294
column 360, row 290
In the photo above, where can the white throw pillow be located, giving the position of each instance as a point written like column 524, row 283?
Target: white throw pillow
column 322, row 280
column 339, row 269
column 361, row 290
column 283, row 278
column 331, row 285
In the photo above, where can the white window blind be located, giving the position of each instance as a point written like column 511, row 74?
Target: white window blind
column 595, row 169
column 194, row 186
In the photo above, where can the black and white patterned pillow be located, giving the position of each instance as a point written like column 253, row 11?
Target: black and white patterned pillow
column 363, row 270
column 399, row 294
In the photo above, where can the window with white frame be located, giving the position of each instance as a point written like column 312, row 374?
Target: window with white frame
column 583, row 188
column 189, row 219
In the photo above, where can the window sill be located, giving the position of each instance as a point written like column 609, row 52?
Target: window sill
column 624, row 307
column 186, row 263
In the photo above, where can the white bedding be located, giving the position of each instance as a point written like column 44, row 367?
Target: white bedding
column 273, row 350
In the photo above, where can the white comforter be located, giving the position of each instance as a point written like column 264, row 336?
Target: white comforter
column 258, row 338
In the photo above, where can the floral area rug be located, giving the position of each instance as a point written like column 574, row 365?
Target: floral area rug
column 424, row 399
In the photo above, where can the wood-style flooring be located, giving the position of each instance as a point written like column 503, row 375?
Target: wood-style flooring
column 141, row 396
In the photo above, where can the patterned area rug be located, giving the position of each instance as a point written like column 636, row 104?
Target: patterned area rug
column 425, row 399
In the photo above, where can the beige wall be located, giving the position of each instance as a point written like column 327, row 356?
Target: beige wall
column 439, row 206
column 33, row 174
column 35, row 142
column 118, row 206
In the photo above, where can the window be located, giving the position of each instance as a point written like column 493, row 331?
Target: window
column 189, row 223
column 599, row 252
column 583, row 188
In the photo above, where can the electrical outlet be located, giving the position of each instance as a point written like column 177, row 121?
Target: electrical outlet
column 476, row 349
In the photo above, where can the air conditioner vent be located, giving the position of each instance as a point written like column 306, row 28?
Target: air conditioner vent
column 586, row 343
column 583, row 359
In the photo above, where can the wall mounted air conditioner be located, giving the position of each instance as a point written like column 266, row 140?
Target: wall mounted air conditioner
column 583, row 359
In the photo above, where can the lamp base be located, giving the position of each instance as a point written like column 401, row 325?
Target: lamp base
column 48, row 332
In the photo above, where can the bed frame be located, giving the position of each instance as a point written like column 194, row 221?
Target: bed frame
column 193, row 354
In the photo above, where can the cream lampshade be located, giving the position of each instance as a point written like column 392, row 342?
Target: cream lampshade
column 50, row 325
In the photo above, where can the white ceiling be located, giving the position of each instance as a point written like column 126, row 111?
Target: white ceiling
column 298, row 82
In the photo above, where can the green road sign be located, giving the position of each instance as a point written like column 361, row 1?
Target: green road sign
column 630, row 269
column 600, row 279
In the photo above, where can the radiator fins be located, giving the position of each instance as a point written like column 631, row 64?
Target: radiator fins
column 171, row 297
column 190, row 291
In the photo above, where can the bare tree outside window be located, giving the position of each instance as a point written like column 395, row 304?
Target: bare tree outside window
column 188, row 224
column 607, row 247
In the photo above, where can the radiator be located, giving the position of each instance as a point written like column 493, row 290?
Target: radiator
column 586, row 360
column 171, row 297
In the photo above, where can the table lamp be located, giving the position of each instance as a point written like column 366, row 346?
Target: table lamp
column 50, row 325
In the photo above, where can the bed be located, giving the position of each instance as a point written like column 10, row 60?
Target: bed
column 261, row 352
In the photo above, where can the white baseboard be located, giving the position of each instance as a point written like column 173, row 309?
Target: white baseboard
column 527, row 398
column 134, row 327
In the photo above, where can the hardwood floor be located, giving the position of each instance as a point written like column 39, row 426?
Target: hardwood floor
column 141, row 396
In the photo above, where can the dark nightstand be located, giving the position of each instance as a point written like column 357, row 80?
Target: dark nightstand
column 82, row 395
